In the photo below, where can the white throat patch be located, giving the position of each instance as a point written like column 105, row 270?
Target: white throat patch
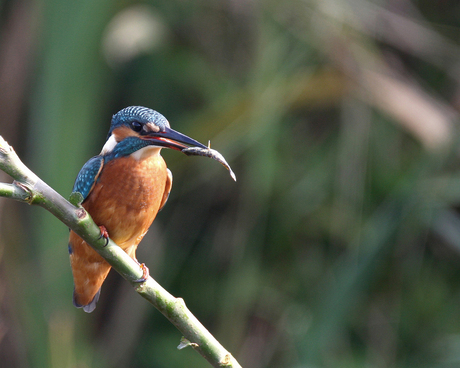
column 146, row 152
column 109, row 145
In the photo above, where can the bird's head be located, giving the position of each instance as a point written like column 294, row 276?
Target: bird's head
column 137, row 127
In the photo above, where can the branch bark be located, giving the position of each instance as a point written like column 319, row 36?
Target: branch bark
column 29, row 188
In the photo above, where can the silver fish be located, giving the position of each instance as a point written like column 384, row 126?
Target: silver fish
column 211, row 153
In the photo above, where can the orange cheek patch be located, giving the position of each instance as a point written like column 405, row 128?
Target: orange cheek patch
column 123, row 132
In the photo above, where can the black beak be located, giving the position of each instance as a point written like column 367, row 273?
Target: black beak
column 169, row 138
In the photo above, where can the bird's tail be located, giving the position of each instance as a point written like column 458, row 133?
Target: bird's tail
column 88, row 285
column 88, row 308
column 89, row 272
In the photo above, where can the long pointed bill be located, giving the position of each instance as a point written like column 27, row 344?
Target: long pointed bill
column 172, row 139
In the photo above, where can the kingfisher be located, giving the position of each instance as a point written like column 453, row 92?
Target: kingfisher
column 123, row 189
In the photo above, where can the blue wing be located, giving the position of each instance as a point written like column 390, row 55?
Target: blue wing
column 88, row 175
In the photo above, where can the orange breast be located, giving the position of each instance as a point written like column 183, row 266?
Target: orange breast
column 127, row 198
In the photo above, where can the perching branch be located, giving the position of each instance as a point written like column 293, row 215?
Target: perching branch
column 29, row 188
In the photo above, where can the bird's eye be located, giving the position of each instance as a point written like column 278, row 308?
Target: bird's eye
column 136, row 126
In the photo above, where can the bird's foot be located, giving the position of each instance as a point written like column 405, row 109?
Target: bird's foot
column 104, row 234
column 145, row 273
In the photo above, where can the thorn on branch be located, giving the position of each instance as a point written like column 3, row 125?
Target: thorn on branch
column 184, row 343
column 81, row 213
column 30, row 197
column 227, row 361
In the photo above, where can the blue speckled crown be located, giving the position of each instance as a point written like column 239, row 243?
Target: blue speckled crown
column 140, row 114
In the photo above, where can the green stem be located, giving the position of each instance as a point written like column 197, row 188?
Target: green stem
column 29, row 188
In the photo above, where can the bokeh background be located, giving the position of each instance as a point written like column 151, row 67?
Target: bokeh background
column 339, row 246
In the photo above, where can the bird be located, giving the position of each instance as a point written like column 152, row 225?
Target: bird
column 123, row 189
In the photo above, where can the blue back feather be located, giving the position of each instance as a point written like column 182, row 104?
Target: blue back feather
column 87, row 176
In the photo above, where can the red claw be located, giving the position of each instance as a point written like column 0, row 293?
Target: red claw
column 104, row 234
column 145, row 273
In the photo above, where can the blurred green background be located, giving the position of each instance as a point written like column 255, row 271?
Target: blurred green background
column 339, row 246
